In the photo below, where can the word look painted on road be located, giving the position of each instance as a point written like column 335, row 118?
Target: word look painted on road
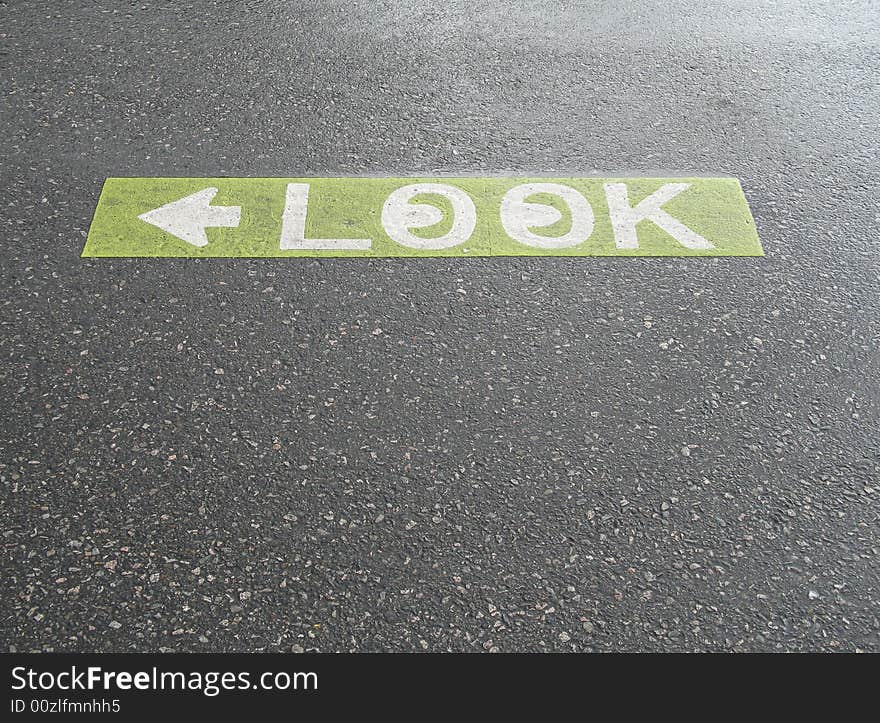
column 381, row 217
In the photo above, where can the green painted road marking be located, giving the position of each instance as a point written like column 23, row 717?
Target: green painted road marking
column 382, row 217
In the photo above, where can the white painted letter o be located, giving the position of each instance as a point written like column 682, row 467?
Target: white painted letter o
column 519, row 216
column 399, row 216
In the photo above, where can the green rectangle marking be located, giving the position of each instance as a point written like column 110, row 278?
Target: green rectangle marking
column 411, row 217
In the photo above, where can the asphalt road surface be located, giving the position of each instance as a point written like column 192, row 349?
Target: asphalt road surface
column 442, row 454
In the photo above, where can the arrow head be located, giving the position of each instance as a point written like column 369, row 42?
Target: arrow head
column 188, row 217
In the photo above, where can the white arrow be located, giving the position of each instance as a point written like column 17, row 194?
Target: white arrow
column 188, row 217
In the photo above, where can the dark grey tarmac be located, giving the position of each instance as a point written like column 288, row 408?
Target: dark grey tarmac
column 465, row 454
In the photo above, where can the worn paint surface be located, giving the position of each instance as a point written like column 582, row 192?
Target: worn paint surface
column 263, row 217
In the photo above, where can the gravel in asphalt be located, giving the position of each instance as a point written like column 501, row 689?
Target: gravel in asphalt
column 450, row 454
